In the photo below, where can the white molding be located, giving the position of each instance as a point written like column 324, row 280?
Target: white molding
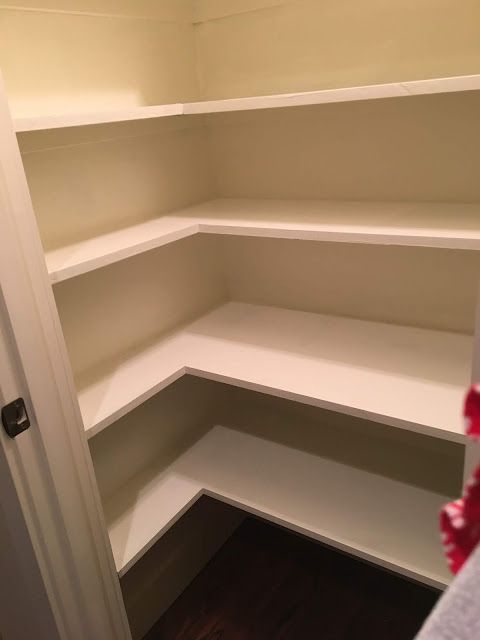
column 54, row 468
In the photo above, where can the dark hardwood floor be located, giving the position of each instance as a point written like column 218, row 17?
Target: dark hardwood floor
column 268, row 584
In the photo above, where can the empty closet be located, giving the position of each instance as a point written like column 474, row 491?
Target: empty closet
column 261, row 225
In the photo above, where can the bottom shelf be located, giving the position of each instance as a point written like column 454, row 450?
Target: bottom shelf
column 381, row 520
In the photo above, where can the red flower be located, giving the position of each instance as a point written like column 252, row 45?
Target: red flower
column 460, row 520
column 472, row 412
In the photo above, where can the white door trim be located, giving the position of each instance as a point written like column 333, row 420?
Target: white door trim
column 50, row 464
column 25, row 609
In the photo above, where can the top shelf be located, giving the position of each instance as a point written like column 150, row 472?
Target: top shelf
column 65, row 120
column 346, row 94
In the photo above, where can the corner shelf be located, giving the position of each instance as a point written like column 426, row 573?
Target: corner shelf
column 82, row 257
column 450, row 226
column 94, row 152
column 381, row 520
column 324, row 96
column 360, row 368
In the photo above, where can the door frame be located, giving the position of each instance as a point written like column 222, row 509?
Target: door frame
column 52, row 484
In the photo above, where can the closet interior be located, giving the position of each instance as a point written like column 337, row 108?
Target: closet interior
column 261, row 223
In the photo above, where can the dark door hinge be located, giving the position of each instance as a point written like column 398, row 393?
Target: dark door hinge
column 15, row 417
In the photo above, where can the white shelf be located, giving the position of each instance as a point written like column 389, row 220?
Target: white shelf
column 400, row 376
column 346, row 94
column 373, row 517
column 453, row 226
column 106, row 249
column 61, row 121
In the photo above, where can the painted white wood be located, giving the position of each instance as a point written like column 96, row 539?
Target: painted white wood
column 451, row 226
column 401, row 376
column 49, row 463
column 85, row 256
column 105, row 399
column 373, row 517
column 80, row 119
column 324, row 96
column 442, row 85
column 23, row 586
column 346, row 94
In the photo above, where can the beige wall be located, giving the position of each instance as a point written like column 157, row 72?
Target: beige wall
column 412, row 458
column 108, row 312
column 431, row 288
column 92, row 180
column 73, row 56
column 302, row 45
column 205, row 10
column 76, row 56
column 425, row 148
column 155, row 433
column 168, row 10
